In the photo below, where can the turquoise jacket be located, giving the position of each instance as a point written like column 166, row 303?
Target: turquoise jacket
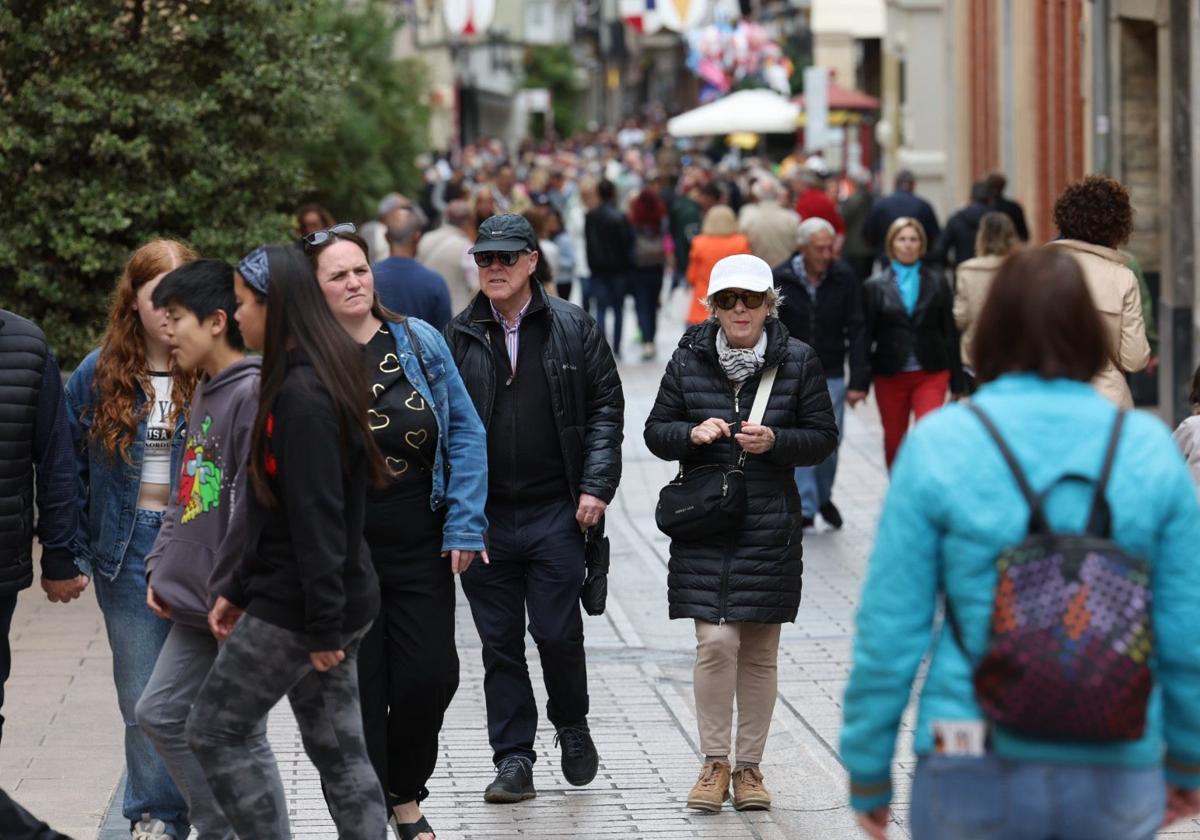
column 952, row 507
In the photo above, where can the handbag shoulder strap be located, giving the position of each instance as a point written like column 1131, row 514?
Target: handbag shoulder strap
column 762, row 395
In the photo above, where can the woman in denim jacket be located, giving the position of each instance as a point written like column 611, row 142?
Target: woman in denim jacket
column 423, row 529
column 126, row 408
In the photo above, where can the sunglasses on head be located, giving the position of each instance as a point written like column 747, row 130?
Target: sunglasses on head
column 728, row 298
column 320, row 237
column 507, row 258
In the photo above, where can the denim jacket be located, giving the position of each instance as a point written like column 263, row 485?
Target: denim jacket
column 460, row 477
column 108, row 487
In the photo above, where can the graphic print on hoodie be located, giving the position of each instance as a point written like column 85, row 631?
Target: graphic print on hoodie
column 202, row 534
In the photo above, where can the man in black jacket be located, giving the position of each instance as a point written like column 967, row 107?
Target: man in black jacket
column 609, row 240
column 545, row 384
column 822, row 306
column 996, row 182
column 956, row 244
column 903, row 202
column 35, row 452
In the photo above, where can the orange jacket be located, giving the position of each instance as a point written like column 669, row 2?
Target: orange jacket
column 706, row 252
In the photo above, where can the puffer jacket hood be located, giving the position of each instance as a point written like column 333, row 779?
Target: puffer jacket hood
column 754, row 574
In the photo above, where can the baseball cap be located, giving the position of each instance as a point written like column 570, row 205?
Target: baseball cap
column 740, row 271
column 509, row 232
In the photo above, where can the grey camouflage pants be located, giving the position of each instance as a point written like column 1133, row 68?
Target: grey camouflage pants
column 257, row 666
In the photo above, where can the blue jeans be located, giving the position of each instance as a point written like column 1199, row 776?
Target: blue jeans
column 988, row 798
column 816, row 483
column 135, row 636
column 610, row 291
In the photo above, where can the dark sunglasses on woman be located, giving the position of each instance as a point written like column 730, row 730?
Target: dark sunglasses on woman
column 320, row 237
column 507, row 258
column 728, row 298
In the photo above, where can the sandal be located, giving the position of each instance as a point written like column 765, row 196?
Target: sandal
column 411, row 831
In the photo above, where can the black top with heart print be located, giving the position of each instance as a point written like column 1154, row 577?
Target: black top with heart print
column 404, row 427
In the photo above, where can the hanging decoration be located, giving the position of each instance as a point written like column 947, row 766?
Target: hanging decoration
column 725, row 56
column 468, row 17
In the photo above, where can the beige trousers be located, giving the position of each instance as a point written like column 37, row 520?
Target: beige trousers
column 735, row 660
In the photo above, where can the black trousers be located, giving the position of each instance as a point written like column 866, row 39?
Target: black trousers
column 537, row 566
column 408, row 664
column 8, row 604
column 18, row 824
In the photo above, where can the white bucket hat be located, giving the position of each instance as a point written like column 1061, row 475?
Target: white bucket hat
column 741, row 271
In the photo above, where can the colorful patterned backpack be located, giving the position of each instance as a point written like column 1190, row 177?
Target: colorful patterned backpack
column 1068, row 655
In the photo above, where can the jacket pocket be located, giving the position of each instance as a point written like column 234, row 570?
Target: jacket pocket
column 181, row 576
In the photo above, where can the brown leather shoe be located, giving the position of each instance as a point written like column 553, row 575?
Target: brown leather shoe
column 749, row 792
column 712, row 788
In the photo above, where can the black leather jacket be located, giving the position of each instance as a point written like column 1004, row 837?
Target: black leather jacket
column 585, row 390
column 929, row 333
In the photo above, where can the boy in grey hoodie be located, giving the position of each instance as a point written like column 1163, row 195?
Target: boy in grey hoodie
column 202, row 535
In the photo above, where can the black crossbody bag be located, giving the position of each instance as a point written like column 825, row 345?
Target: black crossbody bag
column 710, row 500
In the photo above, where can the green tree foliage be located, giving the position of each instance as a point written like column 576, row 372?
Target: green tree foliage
column 126, row 120
column 380, row 116
column 553, row 67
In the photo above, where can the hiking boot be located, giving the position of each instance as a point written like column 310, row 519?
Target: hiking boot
column 513, row 782
column 832, row 515
column 579, row 758
column 712, row 788
column 749, row 792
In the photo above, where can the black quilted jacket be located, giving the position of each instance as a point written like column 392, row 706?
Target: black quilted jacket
column 754, row 574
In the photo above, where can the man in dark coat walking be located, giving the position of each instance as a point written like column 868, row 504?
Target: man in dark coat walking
column 822, row 306
column 956, row 244
column 35, row 455
column 546, row 387
column 903, row 202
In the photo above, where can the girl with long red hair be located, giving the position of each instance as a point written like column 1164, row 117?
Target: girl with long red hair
column 127, row 405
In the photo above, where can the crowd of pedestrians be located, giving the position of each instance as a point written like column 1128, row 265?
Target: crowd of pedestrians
column 436, row 393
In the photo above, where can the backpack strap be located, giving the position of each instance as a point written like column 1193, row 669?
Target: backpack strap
column 1037, row 521
column 1100, row 519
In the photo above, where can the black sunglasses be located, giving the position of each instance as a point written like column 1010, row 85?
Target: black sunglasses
column 320, row 237
column 507, row 258
column 728, row 298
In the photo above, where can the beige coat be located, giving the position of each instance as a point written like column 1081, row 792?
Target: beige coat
column 1115, row 292
column 972, row 279
column 772, row 231
column 445, row 251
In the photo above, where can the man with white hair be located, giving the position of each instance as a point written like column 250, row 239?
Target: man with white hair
column 770, row 227
column 823, row 308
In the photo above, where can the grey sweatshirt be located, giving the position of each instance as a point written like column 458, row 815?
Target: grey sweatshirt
column 202, row 537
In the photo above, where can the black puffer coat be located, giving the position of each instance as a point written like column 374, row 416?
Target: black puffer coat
column 754, row 575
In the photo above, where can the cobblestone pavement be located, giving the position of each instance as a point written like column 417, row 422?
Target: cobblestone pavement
column 61, row 752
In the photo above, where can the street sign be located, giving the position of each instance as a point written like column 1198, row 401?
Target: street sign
column 816, row 108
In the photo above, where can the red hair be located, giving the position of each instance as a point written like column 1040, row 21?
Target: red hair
column 121, row 368
column 647, row 210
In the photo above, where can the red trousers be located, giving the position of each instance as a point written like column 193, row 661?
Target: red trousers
column 917, row 393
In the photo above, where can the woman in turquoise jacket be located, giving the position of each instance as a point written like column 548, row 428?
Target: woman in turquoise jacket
column 952, row 508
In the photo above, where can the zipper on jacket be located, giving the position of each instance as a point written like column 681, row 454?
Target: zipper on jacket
column 727, row 562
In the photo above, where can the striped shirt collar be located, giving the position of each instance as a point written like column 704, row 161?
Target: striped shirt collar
column 512, row 334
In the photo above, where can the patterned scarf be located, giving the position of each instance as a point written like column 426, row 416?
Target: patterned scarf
column 740, row 364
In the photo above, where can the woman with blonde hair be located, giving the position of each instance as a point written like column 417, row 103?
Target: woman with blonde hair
column 997, row 238
column 126, row 406
column 910, row 334
column 718, row 238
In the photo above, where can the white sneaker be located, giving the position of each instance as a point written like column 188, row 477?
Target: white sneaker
column 148, row 828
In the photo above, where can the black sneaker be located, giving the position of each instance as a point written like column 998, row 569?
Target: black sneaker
column 831, row 515
column 579, row 758
column 807, row 522
column 513, row 782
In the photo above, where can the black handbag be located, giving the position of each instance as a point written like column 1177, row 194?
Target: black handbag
column 710, row 500
column 594, row 593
